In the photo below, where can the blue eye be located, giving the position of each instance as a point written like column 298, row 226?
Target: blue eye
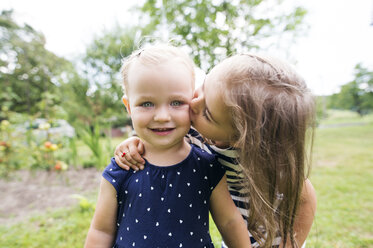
column 176, row 103
column 147, row 104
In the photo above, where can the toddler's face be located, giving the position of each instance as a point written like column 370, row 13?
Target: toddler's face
column 159, row 98
column 209, row 115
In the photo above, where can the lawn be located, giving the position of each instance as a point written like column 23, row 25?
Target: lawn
column 342, row 175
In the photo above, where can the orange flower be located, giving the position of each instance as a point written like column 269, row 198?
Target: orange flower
column 48, row 144
column 58, row 166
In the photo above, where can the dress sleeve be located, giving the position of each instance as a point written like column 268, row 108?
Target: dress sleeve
column 215, row 172
column 115, row 174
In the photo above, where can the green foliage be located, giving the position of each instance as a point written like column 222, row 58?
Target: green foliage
column 321, row 112
column 356, row 95
column 8, row 149
column 216, row 29
column 84, row 203
column 28, row 146
column 101, row 67
column 91, row 137
column 73, row 152
column 27, row 68
column 79, row 105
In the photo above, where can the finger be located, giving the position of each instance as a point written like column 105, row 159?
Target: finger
column 130, row 161
column 119, row 162
column 141, row 148
column 135, row 154
column 136, row 167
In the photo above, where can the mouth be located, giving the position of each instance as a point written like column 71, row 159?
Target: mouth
column 162, row 131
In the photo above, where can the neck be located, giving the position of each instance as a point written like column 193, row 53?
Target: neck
column 165, row 156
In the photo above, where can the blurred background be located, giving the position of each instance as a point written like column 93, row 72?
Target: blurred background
column 61, row 115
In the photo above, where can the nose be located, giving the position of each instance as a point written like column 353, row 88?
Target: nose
column 162, row 114
column 197, row 102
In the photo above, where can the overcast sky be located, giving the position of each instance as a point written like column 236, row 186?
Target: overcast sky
column 340, row 35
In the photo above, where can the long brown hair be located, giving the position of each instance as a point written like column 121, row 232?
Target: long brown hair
column 272, row 110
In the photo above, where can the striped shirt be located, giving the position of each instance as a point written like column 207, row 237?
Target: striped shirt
column 228, row 158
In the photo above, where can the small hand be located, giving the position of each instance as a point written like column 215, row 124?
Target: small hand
column 128, row 154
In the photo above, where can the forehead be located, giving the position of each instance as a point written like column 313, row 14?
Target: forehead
column 170, row 71
column 159, row 79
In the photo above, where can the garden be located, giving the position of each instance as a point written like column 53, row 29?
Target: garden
column 53, row 207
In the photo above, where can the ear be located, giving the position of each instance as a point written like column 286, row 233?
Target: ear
column 126, row 103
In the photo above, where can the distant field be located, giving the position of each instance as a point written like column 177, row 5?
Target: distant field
column 342, row 175
column 345, row 117
column 343, row 178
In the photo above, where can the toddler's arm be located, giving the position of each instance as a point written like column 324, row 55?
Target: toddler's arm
column 128, row 154
column 103, row 227
column 227, row 217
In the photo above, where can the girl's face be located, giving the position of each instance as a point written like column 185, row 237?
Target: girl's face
column 209, row 114
column 158, row 102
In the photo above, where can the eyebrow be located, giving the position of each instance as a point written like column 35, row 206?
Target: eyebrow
column 207, row 109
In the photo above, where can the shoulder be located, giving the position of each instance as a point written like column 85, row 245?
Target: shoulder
column 113, row 169
column 205, row 159
column 115, row 174
column 208, row 162
column 308, row 194
column 203, row 156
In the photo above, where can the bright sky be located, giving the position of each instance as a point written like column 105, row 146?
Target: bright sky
column 340, row 35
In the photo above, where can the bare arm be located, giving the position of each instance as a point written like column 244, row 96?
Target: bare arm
column 306, row 213
column 227, row 217
column 103, row 227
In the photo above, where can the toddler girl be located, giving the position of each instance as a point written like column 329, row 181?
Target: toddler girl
column 167, row 204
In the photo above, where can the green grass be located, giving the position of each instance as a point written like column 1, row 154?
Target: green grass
column 60, row 229
column 345, row 116
column 343, row 178
column 342, row 175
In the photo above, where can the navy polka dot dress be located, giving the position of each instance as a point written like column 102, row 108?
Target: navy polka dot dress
column 165, row 206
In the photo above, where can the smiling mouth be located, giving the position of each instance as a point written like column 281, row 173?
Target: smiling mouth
column 162, row 131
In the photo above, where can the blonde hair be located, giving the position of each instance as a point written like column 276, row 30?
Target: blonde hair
column 272, row 109
column 153, row 56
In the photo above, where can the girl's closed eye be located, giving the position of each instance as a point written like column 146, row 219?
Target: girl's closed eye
column 204, row 114
column 146, row 104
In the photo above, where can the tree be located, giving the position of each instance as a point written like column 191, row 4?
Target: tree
column 101, row 68
column 27, row 68
column 356, row 95
column 213, row 29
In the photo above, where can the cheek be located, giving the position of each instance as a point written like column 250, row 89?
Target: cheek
column 209, row 130
column 140, row 118
column 183, row 114
column 202, row 125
